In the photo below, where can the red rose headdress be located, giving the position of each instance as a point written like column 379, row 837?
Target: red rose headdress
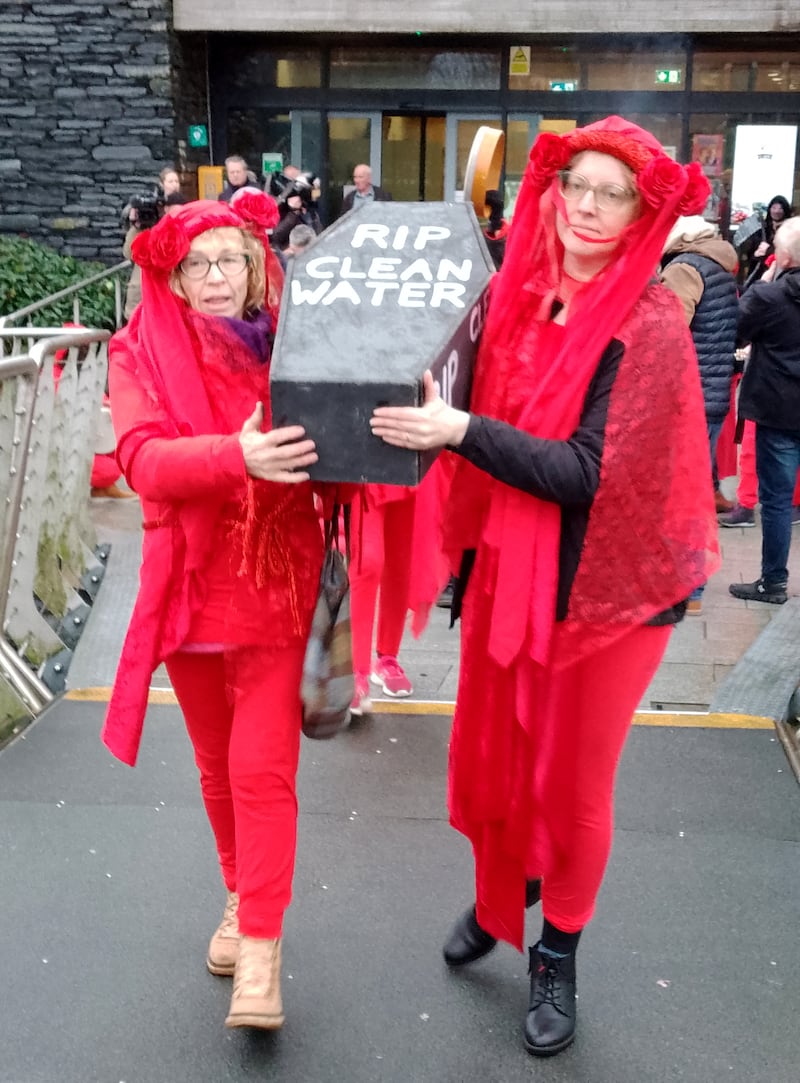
column 161, row 320
column 531, row 276
column 159, row 250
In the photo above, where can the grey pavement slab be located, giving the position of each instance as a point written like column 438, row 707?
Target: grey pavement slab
column 767, row 674
column 690, row 971
column 702, row 650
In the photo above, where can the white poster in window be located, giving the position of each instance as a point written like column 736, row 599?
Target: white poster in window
column 763, row 165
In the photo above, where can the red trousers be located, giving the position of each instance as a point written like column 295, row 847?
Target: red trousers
column 381, row 561
column 583, row 718
column 243, row 713
column 747, row 490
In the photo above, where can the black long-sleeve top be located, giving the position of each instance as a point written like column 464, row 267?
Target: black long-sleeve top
column 566, row 472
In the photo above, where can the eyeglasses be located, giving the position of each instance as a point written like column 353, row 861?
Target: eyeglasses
column 196, row 266
column 608, row 197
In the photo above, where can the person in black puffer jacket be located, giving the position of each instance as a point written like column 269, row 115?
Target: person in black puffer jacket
column 700, row 268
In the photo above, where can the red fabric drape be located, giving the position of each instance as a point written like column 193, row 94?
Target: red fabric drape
column 651, row 536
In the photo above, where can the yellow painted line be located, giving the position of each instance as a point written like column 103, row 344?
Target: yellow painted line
column 413, row 706
column 165, row 697
column 701, row 720
column 156, row 697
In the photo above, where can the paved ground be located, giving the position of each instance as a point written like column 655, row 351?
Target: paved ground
column 690, row 971
column 702, row 651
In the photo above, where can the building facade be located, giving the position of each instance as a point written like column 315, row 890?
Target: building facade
column 96, row 97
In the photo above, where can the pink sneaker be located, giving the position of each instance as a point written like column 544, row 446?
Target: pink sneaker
column 388, row 673
column 361, row 702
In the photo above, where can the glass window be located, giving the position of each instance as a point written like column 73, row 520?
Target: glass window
column 253, row 132
column 556, row 68
column 636, row 70
column 520, row 134
column 246, row 69
column 564, row 68
column 712, row 139
column 667, row 128
column 429, row 69
column 745, row 71
column 310, row 137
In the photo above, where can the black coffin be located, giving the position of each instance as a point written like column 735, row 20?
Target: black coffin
column 386, row 292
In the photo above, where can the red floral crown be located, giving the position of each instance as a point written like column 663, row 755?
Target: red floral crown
column 159, row 250
column 659, row 178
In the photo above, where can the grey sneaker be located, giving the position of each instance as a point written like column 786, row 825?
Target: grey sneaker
column 775, row 593
column 738, row 517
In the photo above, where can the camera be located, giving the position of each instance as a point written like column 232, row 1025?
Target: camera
column 302, row 185
column 149, row 208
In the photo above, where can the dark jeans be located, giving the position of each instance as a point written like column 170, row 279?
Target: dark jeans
column 777, row 462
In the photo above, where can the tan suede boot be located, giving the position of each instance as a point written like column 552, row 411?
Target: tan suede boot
column 256, row 1000
column 223, row 948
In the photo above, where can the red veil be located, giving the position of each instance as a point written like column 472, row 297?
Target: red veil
column 651, row 536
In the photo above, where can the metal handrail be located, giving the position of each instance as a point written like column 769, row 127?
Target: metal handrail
column 28, row 686
column 54, row 298
column 17, row 607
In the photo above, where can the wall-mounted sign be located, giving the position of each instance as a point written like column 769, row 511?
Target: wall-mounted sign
column 519, row 60
column 763, row 164
column 271, row 163
column 564, row 84
column 670, row 76
column 198, row 135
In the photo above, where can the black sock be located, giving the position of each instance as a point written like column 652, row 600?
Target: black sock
column 556, row 942
column 533, row 892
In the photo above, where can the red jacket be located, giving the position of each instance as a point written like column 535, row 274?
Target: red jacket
column 185, row 483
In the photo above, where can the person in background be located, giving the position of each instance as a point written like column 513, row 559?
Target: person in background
column 743, row 512
column 582, row 518
column 237, row 176
column 296, row 209
column 495, row 231
column 300, row 238
column 769, row 320
column 397, row 567
column 762, row 246
column 232, row 552
column 699, row 267
column 170, row 182
column 364, row 191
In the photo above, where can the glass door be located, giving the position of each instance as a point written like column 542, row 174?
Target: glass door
column 458, row 143
column 413, row 154
column 353, row 139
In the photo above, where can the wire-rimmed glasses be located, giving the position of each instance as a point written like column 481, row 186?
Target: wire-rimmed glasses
column 607, row 196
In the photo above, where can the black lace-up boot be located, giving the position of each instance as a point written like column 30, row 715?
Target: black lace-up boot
column 468, row 942
column 550, row 1025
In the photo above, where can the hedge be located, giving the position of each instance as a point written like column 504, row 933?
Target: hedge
column 29, row 272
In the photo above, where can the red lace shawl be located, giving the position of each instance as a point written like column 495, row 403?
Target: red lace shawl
column 651, row 538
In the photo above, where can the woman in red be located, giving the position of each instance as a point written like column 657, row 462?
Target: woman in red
column 584, row 516
column 231, row 559
column 396, row 569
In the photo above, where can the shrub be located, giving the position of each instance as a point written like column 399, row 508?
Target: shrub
column 29, row 272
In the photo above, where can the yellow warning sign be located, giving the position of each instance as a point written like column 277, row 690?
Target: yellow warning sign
column 519, row 60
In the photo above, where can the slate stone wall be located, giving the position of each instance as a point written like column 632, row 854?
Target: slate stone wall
column 89, row 94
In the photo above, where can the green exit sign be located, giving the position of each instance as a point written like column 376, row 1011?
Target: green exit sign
column 563, row 84
column 670, row 76
column 198, row 135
